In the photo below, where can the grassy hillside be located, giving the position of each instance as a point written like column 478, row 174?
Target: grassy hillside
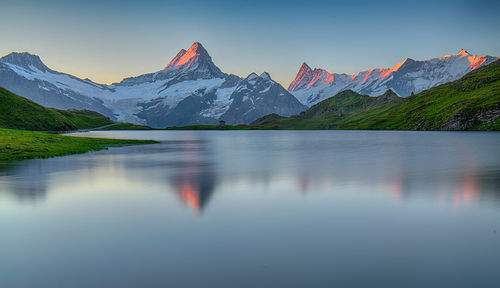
column 331, row 113
column 17, row 112
column 470, row 103
column 19, row 145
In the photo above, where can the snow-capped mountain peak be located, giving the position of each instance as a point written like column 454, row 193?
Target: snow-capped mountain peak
column 463, row 53
column 254, row 80
column 195, row 61
column 176, row 59
column 187, row 59
column 305, row 67
column 252, row 76
column 303, row 77
column 404, row 78
column 265, row 75
column 24, row 60
column 190, row 90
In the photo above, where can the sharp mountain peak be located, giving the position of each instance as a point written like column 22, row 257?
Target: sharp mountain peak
column 463, row 52
column 194, row 54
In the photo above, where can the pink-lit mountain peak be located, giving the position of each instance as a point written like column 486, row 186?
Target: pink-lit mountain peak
column 188, row 58
column 305, row 67
column 386, row 72
column 303, row 77
column 474, row 61
column 321, row 76
column 308, row 77
column 463, row 53
column 404, row 78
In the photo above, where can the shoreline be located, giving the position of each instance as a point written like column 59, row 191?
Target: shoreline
column 16, row 145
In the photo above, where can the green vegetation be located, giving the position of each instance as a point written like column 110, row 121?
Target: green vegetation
column 19, row 145
column 127, row 126
column 330, row 113
column 470, row 103
column 17, row 112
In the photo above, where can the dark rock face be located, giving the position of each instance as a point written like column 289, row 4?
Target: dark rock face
column 468, row 118
column 186, row 112
column 388, row 97
column 257, row 96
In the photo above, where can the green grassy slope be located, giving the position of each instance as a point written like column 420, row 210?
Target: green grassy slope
column 331, row 113
column 470, row 103
column 19, row 145
column 17, row 112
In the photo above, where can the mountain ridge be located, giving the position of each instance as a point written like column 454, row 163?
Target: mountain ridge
column 192, row 90
column 409, row 76
column 17, row 112
column 190, row 83
column 469, row 103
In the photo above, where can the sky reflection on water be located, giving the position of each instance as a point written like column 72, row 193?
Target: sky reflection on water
column 291, row 208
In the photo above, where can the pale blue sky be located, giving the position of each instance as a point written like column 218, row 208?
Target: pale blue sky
column 109, row 40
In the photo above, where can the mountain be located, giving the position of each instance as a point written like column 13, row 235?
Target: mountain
column 407, row 77
column 470, row 103
column 17, row 112
column 25, row 74
column 256, row 96
column 189, row 90
column 327, row 113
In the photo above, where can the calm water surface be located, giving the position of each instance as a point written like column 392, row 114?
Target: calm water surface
column 257, row 209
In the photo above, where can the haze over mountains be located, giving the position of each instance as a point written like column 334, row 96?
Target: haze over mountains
column 191, row 89
column 407, row 77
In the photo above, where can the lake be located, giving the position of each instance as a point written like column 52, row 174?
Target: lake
column 257, row 209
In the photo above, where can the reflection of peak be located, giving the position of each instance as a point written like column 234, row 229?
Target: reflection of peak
column 190, row 195
column 195, row 185
column 197, row 190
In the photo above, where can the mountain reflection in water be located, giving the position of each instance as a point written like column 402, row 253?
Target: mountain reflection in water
column 257, row 209
column 193, row 169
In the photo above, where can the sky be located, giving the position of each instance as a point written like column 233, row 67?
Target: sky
column 107, row 41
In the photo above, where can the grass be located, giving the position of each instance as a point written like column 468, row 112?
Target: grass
column 470, row 103
column 17, row 112
column 20, row 144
